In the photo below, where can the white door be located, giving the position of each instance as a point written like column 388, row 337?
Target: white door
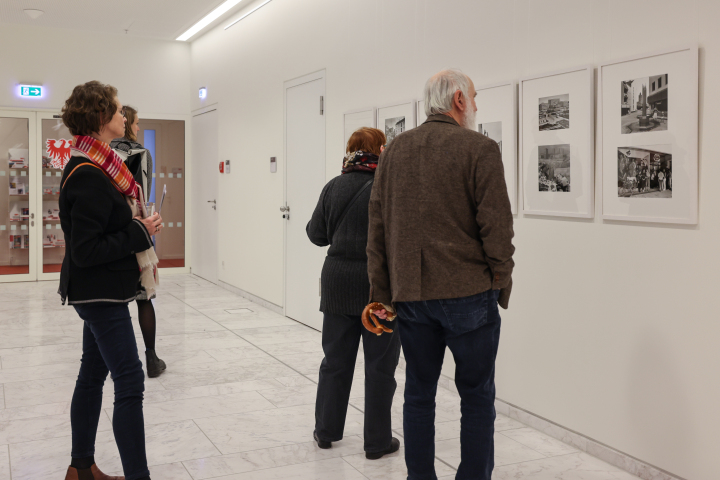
column 204, row 199
column 19, row 208
column 305, row 160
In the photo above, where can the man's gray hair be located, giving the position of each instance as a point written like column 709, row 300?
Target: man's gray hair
column 440, row 90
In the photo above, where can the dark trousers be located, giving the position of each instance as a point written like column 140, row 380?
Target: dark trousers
column 340, row 339
column 470, row 327
column 109, row 345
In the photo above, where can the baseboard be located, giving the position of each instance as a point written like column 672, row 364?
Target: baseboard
column 585, row 444
column 253, row 298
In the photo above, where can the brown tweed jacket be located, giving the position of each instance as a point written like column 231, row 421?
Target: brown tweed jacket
column 440, row 220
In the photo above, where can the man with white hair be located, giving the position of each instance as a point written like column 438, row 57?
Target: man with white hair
column 440, row 253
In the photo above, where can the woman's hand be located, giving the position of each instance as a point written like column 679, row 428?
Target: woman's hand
column 152, row 223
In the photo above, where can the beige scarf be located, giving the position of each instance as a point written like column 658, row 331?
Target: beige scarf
column 149, row 277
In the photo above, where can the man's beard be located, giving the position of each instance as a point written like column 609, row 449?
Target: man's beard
column 469, row 118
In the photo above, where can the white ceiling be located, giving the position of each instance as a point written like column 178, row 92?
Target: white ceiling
column 162, row 19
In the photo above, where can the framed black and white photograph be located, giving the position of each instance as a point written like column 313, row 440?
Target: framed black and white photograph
column 554, row 168
column 557, row 151
column 644, row 104
column 357, row 119
column 497, row 119
column 492, row 130
column 396, row 119
column 394, row 126
column 645, row 172
column 554, row 112
column 649, row 153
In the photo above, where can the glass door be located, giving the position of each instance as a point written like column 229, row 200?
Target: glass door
column 18, row 201
column 54, row 141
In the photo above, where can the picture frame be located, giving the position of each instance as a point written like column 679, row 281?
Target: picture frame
column 648, row 108
column 497, row 118
column 396, row 118
column 421, row 117
column 557, row 132
column 355, row 119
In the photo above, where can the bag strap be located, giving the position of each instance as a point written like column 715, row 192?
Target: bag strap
column 347, row 209
column 92, row 165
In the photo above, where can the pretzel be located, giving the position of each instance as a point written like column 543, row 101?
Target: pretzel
column 376, row 327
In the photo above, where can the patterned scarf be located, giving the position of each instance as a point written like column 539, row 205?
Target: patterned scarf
column 360, row 161
column 102, row 155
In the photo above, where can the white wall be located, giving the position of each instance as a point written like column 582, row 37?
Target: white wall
column 612, row 330
column 152, row 75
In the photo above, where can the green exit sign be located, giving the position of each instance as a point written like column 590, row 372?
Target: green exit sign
column 30, row 91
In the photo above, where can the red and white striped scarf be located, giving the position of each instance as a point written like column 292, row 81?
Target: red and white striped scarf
column 104, row 157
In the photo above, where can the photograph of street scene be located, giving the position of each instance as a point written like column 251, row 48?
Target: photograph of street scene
column 554, row 112
column 645, row 171
column 554, row 168
column 493, row 131
column 644, row 104
column 394, row 127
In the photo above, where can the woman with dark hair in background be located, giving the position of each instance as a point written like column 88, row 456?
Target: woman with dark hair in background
column 341, row 221
column 146, row 311
column 109, row 246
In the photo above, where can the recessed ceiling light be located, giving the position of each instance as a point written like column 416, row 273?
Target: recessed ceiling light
column 249, row 13
column 208, row 19
column 32, row 13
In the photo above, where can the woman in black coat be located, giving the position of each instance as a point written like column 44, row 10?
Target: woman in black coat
column 146, row 312
column 101, row 215
column 341, row 221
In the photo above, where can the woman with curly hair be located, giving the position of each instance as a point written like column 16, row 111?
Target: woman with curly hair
column 109, row 248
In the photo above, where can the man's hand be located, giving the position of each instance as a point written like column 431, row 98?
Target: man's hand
column 381, row 314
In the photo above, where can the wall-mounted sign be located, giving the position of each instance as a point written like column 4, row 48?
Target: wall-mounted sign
column 203, row 92
column 30, row 91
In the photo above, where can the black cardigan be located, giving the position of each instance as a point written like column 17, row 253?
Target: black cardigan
column 101, row 239
column 345, row 287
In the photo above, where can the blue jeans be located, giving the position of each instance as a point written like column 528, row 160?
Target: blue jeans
column 470, row 327
column 109, row 345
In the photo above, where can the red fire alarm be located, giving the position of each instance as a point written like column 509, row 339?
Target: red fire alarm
column 222, row 167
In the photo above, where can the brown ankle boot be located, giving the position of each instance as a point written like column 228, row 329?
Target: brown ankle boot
column 72, row 474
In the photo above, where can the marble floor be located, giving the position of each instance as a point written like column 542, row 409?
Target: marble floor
column 236, row 401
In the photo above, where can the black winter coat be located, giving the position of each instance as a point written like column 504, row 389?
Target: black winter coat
column 345, row 287
column 101, row 239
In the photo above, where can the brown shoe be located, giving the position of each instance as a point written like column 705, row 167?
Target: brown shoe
column 72, row 474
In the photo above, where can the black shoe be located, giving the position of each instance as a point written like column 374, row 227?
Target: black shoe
column 322, row 443
column 154, row 365
column 394, row 447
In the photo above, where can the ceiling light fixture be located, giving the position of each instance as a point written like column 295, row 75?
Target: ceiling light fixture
column 32, row 13
column 249, row 13
column 208, row 19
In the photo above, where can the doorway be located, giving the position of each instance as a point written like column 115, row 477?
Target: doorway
column 304, row 180
column 19, row 204
column 205, row 187
column 165, row 140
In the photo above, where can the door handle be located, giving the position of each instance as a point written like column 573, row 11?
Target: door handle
column 284, row 209
column 212, row 201
column 32, row 215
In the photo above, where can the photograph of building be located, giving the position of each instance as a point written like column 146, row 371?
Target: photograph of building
column 554, row 112
column 644, row 104
column 645, row 172
column 492, row 130
column 554, row 168
column 394, row 127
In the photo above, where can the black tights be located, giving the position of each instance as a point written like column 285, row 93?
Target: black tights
column 146, row 317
